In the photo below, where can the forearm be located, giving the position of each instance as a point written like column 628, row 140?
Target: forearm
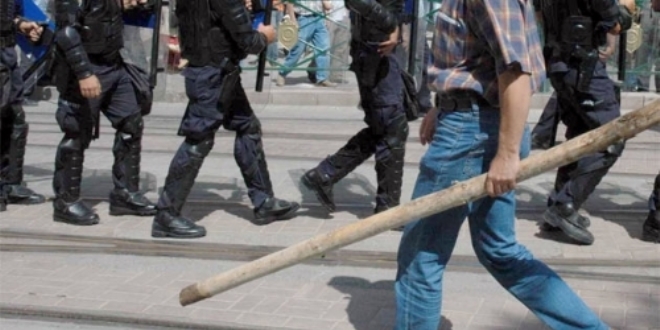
column 515, row 98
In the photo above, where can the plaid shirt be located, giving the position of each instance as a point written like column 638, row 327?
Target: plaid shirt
column 476, row 40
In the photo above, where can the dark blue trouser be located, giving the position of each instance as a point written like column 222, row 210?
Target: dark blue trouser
column 582, row 112
column 13, row 127
column 205, row 113
column 385, row 135
column 78, row 118
column 546, row 127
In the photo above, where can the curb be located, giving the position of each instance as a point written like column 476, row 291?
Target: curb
column 127, row 319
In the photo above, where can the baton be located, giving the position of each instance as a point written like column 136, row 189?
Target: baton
column 261, row 68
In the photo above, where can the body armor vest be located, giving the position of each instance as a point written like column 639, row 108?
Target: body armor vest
column 7, row 28
column 101, row 27
column 203, row 38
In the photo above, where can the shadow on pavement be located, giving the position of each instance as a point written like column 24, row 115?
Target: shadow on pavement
column 371, row 305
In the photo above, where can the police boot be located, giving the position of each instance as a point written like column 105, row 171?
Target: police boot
column 566, row 218
column 321, row 184
column 126, row 199
column 68, row 207
column 3, row 200
column 184, row 168
column 319, row 180
column 15, row 190
column 274, row 209
column 651, row 227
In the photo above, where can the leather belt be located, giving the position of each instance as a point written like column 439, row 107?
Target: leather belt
column 460, row 101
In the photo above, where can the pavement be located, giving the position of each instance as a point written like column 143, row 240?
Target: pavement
column 115, row 274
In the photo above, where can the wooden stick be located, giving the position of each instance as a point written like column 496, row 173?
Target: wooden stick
column 624, row 127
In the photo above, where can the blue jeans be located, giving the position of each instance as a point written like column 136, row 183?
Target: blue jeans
column 312, row 30
column 463, row 147
column 273, row 51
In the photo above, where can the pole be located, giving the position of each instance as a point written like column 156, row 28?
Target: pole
column 624, row 127
column 261, row 68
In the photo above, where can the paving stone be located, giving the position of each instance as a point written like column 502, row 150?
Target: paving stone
column 77, row 303
column 307, row 324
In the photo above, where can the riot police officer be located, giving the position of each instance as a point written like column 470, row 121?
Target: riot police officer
column 374, row 36
column 651, row 227
column 91, row 77
column 574, row 30
column 13, row 127
column 215, row 36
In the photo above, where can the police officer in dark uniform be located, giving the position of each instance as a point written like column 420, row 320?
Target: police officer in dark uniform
column 374, row 30
column 215, row 36
column 586, row 96
column 13, row 127
column 91, row 76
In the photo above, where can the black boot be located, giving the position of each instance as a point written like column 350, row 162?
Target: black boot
column 15, row 189
column 3, row 199
column 126, row 198
column 274, row 209
column 183, row 171
column 358, row 149
column 68, row 207
column 321, row 184
column 566, row 218
column 651, row 227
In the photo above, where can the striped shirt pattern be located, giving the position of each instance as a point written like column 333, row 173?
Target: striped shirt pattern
column 476, row 40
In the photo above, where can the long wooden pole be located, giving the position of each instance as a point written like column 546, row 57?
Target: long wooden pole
column 624, row 127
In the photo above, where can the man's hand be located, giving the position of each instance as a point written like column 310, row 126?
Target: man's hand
column 90, row 87
column 502, row 174
column 387, row 47
column 427, row 128
column 248, row 5
column 268, row 31
column 31, row 29
column 130, row 4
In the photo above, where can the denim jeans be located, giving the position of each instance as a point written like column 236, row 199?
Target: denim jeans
column 312, row 30
column 463, row 146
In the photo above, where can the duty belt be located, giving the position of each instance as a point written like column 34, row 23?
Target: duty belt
column 460, row 101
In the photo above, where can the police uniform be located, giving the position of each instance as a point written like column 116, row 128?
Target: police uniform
column 381, row 93
column 215, row 36
column 89, row 39
column 586, row 98
column 13, row 127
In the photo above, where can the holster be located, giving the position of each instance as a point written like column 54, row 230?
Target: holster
column 231, row 75
column 588, row 61
column 578, row 48
column 143, row 91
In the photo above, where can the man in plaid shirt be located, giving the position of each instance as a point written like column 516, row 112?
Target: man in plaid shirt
column 487, row 63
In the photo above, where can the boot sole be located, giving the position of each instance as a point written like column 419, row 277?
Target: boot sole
column 77, row 223
column 568, row 229
column 119, row 211
column 319, row 196
column 157, row 233
column 286, row 216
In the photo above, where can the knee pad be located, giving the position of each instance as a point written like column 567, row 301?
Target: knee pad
column 18, row 114
column 396, row 133
column 200, row 148
column 71, row 144
column 131, row 127
column 252, row 128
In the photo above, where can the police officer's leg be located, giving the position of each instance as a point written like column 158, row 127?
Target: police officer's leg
column 14, row 152
column 390, row 152
column 123, row 112
column 199, row 124
column 77, row 124
column 251, row 159
column 543, row 133
column 3, row 194
column 651, row 227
